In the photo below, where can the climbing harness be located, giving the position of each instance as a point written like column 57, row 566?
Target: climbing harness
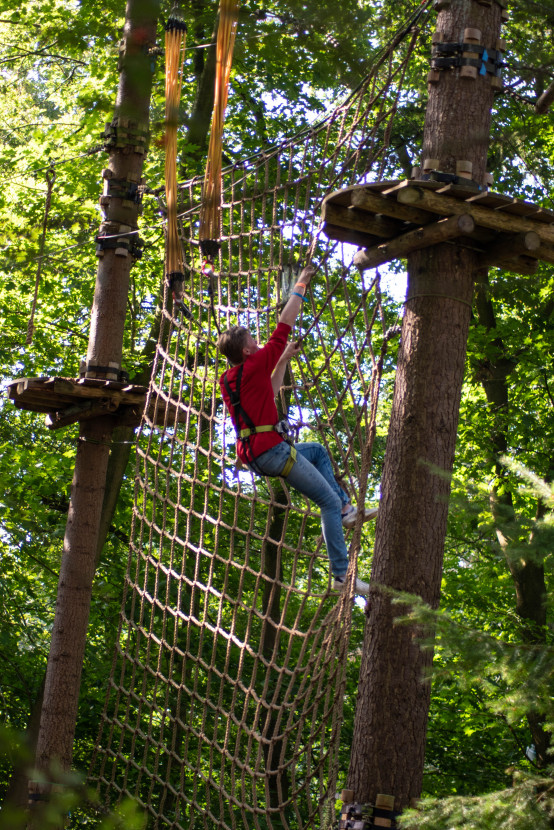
column 244, row 435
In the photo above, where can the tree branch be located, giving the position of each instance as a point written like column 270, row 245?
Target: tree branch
column 544, row 101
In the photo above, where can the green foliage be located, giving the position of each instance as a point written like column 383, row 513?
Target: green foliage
column 486, row 682
column 527, row 805
column 69, row 802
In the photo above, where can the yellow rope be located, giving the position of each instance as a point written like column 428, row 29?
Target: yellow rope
column 211, row 194
column 175, row 37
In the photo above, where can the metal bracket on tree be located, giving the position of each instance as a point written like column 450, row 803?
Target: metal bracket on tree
column 123, row 133
column 123, row 239
column 356, row 816
column 111, row 372
column 129, row 190
column 451, row 56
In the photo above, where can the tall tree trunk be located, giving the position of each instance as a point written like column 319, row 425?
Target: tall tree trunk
column 63, row 675
column 393, row 699
column 17, row 793
column 197, row 135
column 527, row 571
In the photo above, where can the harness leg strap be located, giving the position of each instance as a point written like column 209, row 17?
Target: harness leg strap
column 289, row 463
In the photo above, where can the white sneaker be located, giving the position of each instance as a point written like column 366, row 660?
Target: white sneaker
column 349, row 518
column 361, row 586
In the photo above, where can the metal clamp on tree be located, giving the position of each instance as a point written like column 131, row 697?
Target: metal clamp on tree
column 451, row 56
column 122, row 239
column 128, row 190
column 123, row 133
column 470, row 56
column 356, row 816
column 113, row 371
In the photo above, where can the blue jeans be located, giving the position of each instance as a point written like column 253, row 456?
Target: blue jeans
column 312, row 475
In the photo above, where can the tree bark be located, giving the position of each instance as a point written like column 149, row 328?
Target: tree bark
column 17, row 793
column 527, row 571
column 197, row 135
column 63, row 674
column 67, row 645
column 393, row 699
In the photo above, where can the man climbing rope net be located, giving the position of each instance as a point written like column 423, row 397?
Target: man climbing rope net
column 249, row 388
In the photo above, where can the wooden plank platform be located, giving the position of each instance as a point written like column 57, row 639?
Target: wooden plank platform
column 392, row 218
column 52, row 394
column 65, row 401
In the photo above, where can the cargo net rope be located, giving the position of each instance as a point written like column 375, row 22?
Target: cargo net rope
column 225, row 702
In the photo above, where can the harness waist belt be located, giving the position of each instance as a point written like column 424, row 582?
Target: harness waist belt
column 244, row 433
column 291, row 460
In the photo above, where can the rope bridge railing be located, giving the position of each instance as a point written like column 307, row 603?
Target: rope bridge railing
column 225, row 703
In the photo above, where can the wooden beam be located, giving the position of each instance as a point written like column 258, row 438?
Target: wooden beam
column 83, row 389
column 32, row 406
column 518, row 265
column 340, row 234
column 546, row 253
column 375, row 203
column 360, row 220
column 497, row 220
column 432, row 234
column 80, row 412
column 505, row 249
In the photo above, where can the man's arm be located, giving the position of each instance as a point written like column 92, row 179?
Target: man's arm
column 291, row 350
column 294, row 303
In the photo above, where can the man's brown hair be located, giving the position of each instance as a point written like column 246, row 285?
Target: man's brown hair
column 231, row 343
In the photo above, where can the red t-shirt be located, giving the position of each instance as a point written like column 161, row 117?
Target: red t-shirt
column 256, row 395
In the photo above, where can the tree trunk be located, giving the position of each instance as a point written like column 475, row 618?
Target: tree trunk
column 63, row 675
column 393, row 699
column 67, row 645
column 527, row 571
column 197, row 135
column 17, row 793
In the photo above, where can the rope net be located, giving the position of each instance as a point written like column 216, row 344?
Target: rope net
column 226, row 698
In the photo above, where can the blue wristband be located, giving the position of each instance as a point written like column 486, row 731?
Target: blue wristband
column 297, row 294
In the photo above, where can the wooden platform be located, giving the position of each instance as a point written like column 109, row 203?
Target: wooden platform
column 65, row 400
column 390, row 219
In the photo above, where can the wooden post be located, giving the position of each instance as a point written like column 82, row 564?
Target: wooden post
column 384, row 804
column 521, row 243
column 127, row 141
column 392, row 709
